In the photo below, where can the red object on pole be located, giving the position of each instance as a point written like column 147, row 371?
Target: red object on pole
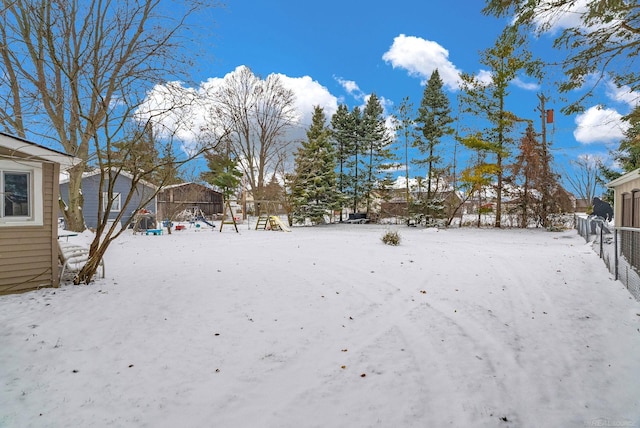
column 550, row 116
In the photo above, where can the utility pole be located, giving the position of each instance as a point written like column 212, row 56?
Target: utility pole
column 546, row 116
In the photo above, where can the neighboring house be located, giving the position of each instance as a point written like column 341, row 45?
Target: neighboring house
column 122, row 186
column 396, row 206
column 582, row 205
column 192, row 197
column 29, row 176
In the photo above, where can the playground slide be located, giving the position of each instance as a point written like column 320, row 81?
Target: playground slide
column 206, row 222
column 202, row 219
column 280, row 223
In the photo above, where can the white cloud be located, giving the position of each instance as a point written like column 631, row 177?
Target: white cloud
column 309, row 93
column 351, row 87
column 485, row 77
column 175, row 112
column 552, row 19
column 623, row 94
column 599, row 125
column 420, row 58
column 527, row 86
column 186, row 121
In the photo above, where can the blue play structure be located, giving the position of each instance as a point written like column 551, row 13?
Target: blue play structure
column 204, row 220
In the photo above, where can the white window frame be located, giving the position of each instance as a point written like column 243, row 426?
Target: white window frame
column 116, row 206
column 36, row 197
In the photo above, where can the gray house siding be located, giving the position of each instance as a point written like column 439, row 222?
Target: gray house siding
column 122, row 185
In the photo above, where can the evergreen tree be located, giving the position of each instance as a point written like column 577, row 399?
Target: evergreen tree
column 313, row 189
column 377, row 144
column 223, row 173
column 354, row 163
column 433, row 122
column 343, row 137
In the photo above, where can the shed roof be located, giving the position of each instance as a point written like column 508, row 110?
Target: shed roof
column 630, row 176
column 97, row 171
column 23, row 146
column 188, row 183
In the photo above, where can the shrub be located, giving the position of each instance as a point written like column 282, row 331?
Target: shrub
column 391, row 238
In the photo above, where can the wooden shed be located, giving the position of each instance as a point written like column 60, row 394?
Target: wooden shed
column 189, row 196
column 626, row 199
column 29, row 177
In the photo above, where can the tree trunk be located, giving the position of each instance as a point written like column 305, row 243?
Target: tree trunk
column 73, row 217
column 86, row 274
column 499, row 194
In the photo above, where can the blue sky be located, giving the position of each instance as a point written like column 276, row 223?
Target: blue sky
column 336, row 52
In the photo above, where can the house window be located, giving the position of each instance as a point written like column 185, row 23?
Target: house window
column 20, row 193
column 115, row 205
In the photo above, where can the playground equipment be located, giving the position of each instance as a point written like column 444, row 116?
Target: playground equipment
column 143, row 220
column 231, row 217
column 268, row 220
column 194, row 215
column 277, row 224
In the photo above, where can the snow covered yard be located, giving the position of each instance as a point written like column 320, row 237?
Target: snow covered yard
column 328, row 327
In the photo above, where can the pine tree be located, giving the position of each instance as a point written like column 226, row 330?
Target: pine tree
column 433, row 122
column 223, row 173
column 343, row 137
column 377, row 144
column 313, row 189
column 354, row 163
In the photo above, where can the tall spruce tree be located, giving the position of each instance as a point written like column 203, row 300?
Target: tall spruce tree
column 313, row 190
column 355, row 161
column 433, row 123
column 342, row 137
column 376, row 148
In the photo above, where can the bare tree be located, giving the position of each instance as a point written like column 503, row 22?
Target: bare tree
column 255, row 114
column 584, row 181
column 76, row 73
column 73, row 71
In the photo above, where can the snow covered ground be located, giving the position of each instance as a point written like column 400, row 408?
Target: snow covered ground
column 328, row 327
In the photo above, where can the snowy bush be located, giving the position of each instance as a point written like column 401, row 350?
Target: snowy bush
column 391, row 238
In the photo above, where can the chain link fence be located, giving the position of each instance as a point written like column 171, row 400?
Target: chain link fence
column 618, row 247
